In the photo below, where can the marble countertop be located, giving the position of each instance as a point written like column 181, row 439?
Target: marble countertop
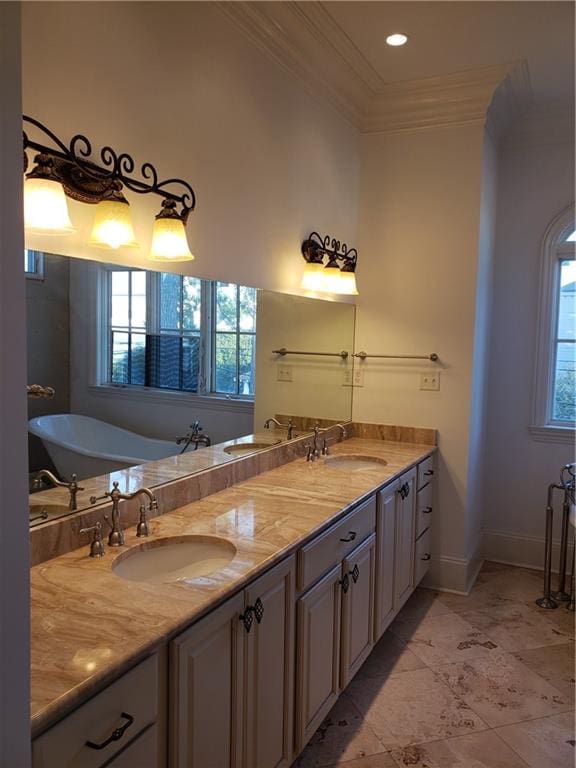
column 88, row 625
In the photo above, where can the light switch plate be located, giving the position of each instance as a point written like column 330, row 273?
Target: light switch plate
column 283, row 372
column 430, row 381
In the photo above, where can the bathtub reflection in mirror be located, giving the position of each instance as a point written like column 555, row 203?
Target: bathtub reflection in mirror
column 159, row 375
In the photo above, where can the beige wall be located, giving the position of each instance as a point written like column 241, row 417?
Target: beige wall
column 536, row 183
column 14, row 560
column 318, row 386
column 178, row 85
column 419, row 228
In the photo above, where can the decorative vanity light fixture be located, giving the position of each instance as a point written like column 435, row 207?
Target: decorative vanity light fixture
column 329, row 277
column 62, row 171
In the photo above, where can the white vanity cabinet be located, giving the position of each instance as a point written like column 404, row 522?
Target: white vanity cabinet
column 231, row 680
column 115, row 728
column 335, row 615
column 248, row 684
column 424, row 512
column 404, row 554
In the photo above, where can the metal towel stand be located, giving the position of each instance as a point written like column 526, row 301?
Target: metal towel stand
column 551, row 599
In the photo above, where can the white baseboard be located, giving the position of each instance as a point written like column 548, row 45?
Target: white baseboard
column 522, row 551
column 454, row 574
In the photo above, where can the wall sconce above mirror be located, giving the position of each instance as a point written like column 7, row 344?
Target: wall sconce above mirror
column 62, row 171
column 329, row 277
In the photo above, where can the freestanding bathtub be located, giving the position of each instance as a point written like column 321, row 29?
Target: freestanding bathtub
column 90, row 447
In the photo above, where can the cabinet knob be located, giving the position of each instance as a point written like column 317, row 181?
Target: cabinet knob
column 345, row 582
column 258, row 610
column 426, row 510
column 425, row 557
column 247, row 619
column 355, row 573
column 351, row 536
column 116, row 734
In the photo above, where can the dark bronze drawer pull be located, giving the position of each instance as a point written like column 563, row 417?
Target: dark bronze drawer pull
column 426, row 557
column 426, row 510
column 116, row 734
column 351, row 536
column 428, row 472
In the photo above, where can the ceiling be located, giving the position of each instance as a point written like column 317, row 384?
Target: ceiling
column 448, row 37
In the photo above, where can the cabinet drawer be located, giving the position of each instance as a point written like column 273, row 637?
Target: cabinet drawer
column 423, row 509
column 142, row 753
column 422, row 559
column 328, row 549
column 425, row 471
column 135, row 694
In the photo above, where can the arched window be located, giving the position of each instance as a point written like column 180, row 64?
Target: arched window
column 555, row 391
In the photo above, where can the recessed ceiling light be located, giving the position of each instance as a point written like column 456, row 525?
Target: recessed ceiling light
column 397, row 39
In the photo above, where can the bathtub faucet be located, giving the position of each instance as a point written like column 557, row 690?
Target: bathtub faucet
column 116, row 535
column 72, row 486
column 194, row 436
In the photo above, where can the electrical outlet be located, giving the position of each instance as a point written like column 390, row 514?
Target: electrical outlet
column 430, row 381
column 358, row 376
column 347, row 381
column 284, row 373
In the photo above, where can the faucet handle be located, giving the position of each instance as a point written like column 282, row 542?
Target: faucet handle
column 96, row 545
column 94, row 499
column 74, row 483
column 142, row 529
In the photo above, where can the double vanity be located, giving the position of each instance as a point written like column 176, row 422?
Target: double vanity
column 225, row 637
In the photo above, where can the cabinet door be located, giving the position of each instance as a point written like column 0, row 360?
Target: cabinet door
column 317, row 654
column 358, row 608
column 206, row 690
column 269, row 683
column 404, row 569
column 385, row 545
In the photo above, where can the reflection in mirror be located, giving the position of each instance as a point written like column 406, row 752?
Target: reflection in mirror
column 152, row 372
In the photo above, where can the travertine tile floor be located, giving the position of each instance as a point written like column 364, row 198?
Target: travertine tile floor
column 484, row 681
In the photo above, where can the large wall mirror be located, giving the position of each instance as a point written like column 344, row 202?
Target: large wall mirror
column 157, row 375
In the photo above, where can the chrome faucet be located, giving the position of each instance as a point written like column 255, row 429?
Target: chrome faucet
column 343, row 432
column 313, row 449
column 116, row 535
column 289, row 426
column 72, row 486
column 194, row 436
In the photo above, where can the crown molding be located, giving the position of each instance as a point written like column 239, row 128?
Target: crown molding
column 308, row 43
column 462, row 97
column 289, row 37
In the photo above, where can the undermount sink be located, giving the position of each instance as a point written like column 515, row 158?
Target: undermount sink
column 38, row 513
column 242, row 448
column 163, row 561
column 354, row 463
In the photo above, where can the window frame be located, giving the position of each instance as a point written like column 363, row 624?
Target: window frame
column 206, row 374
column 554, row 249
column 38, row 272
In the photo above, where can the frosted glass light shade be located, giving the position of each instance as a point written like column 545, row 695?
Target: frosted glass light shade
column 169, row 242
column 348, row 284
column 313, row 277
column 337, row 281
column 45, row 207
column 112, row 226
